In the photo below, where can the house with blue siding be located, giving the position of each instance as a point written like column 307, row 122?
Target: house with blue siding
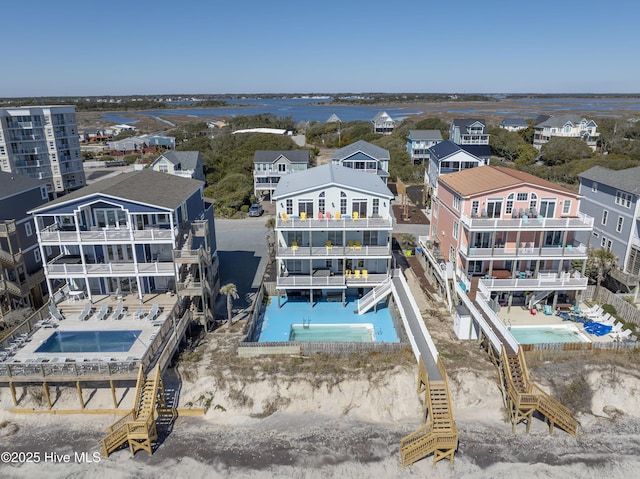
column 447, row 157
column 116, row 237
column 22, row 282
column 269, row 166
column 611, row 198
column 419, row 142
column 364, row 156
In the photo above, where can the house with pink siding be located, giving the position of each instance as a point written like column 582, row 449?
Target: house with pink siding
column 511, row 233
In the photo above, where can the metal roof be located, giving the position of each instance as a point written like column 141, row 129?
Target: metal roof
column 331, row 175
column 425, row 135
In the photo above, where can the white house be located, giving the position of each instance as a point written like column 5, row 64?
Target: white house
column 566, row 126
column 271, row 165
column 364, row 156
column 187, row 164
column 383, row 123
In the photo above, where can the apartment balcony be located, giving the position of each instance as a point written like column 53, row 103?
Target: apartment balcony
column 344, row 223
column 66, row 266
column 11, row 287
column 191, row 256
column 544, row 281
column 628, row 279
column 581, row 222
column 7, row 228
column 334, row 252
column 53, row 235
column 526, row 252
column 320, row 280
column 10, row 260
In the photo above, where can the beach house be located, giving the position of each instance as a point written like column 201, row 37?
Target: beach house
column 512, row 231
column 419, row 142
column 136, row 233
column 565, row 126
column 364, row 156
column 187, row 164
column 269, row 166
column 333, row 229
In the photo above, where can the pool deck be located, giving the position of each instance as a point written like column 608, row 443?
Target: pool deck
column 71, row 310
column 519, row 316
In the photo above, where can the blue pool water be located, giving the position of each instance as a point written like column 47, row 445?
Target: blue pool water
column 296, row 320
column 542, row 334
column 89, row 342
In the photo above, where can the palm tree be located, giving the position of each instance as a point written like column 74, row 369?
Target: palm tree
column 231, row 292
column 601, row 262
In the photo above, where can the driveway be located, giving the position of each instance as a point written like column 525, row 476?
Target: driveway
column 242, row 250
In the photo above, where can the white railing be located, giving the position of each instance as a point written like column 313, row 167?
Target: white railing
column 346, row 222
column 111, row 269
column 543, row 281
column 486, row 328
column 581, row 222
column 496, row 322
column 306, row 280
column 570, row 251
column 374, row 296
column 323, row 251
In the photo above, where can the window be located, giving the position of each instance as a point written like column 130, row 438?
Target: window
column 603, row 241
column 370, row 238
column 28, row 229
column 508, row 207
column 605, row 215
column 435, row 209
column 359, row 206
column 594, row 187
column 566, row 207
column 455, row 230
column 163, row 168
column 321, row 203
column 36, row 255
column 375, row 209
column 343, row 203
column 623, row 199
column 452, row 254
column 282, row 167
column 306, row 206
column 609, row 245
column 533, row 204
column 289, row 206
column 522, row 197
column 294, row 265
column 475, row 204
column 43, row 193
column 619, row 224
column 456, row 202
column 597, row 235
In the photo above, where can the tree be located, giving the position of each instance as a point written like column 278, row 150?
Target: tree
column 231, row 292
column 561, row 150
column 504, row 143
column 600, row 262
column 270, row 225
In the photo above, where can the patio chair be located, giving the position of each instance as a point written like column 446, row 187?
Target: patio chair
column 355, row 215
column 350, row 243
column 55, row 313
column 294, row 246
column 328, row 245
column 357, row 273
column 303, row 215
column 547, row 310
column 284, row 217
column 358, row 245
column 320, row 215
column 365, row 273
column 338, row 215
column 347, row 273
column 327, row 215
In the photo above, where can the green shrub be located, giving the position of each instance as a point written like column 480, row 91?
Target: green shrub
column 244, row 208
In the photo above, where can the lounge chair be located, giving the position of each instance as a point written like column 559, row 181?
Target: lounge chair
column 327, row 215
column 154, row 312
column 617, row 327
column 547, row 310
column 103, row 313
column 55, row 313
column 138, row 314
column 86, row 312
column 624, row 334
column 117, row 314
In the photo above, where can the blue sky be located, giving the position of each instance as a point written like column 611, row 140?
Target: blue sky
column 120, row 47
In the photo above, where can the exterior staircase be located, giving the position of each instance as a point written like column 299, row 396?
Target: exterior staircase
column 523, row 397
column 439, row 435
column 374, row 296
column 138, row 428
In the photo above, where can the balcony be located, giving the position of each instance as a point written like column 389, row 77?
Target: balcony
column 544, row 281
column 65, row 266
column 7, row 228
column 306, row 281
column 578, row 223
column 535, row 252
column 9, row 259
column 344, row 223
column 53, row 235
column 334, row 251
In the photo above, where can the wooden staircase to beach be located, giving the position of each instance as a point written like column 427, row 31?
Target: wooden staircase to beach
column 439, row 435
column 523, row 397
column 138, row 428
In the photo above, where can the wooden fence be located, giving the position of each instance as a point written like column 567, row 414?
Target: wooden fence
column 625, row 310
column 310, row 347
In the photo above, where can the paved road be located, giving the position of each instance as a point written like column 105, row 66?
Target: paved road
column 242, row 249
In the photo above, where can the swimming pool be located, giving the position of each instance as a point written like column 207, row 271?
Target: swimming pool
column 339, row 333
column 296, row 320
column 548, row 334
column 89, row 342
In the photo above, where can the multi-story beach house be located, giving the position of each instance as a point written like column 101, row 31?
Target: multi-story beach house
column 364, row 156
column 269, row 166
column 447, row 157
column 419, row 142
column 383, row 124
column 22, row 283
column 42, row 142
column 565, row 126
column 187, row 164
column 611, row 198
column 511, row 230
column 514, row 124
column 333, row 229
column 136, row 233
column 468, row 131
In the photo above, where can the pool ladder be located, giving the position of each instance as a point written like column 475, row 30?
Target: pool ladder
column 306, row 322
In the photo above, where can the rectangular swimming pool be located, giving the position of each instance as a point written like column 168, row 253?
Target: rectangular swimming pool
column 89, row 342
column 339, row 333
column 548, row 334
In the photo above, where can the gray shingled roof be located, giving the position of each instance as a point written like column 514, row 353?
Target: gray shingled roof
column 144, row 186
column 425, row 135
column 269, row 156
column 626, row 180
column 331, row 175
column 465, row 122
column 12, row 183
column 560, row 121
column 363, row 146
column 188, row 160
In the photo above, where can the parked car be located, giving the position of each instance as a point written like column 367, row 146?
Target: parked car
column 256, row 210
